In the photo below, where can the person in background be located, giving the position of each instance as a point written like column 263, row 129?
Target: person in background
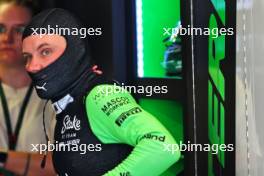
column 20, row 107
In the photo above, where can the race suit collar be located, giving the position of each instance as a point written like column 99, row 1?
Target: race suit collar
column 61, row 104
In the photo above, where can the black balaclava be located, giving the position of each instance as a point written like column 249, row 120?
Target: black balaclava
column 72, row 67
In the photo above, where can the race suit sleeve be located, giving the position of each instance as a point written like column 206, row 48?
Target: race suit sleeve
column 115, row 117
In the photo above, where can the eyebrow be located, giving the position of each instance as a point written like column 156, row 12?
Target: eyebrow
column 42, row 45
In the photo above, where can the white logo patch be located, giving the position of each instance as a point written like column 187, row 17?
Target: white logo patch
column 42, row 87
column 70, row 124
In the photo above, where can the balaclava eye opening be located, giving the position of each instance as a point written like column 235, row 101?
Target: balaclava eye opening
column 73, row 65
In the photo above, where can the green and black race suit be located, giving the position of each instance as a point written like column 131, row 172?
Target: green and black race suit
column 110, row 135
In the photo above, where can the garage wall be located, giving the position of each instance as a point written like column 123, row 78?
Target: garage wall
column 250, row 88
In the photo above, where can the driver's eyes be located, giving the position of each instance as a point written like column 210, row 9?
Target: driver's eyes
column 46, row 52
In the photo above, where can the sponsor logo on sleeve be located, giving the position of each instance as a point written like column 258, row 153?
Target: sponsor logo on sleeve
column 153, row 137
column 113, row 104
column 126, row 114
column 125, row 174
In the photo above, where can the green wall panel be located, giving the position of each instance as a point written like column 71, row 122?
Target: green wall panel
column 157, row 15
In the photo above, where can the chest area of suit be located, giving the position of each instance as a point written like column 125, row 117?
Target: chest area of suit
column 80, row 151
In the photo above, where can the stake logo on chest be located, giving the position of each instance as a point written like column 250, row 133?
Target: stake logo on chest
column 70, row 123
